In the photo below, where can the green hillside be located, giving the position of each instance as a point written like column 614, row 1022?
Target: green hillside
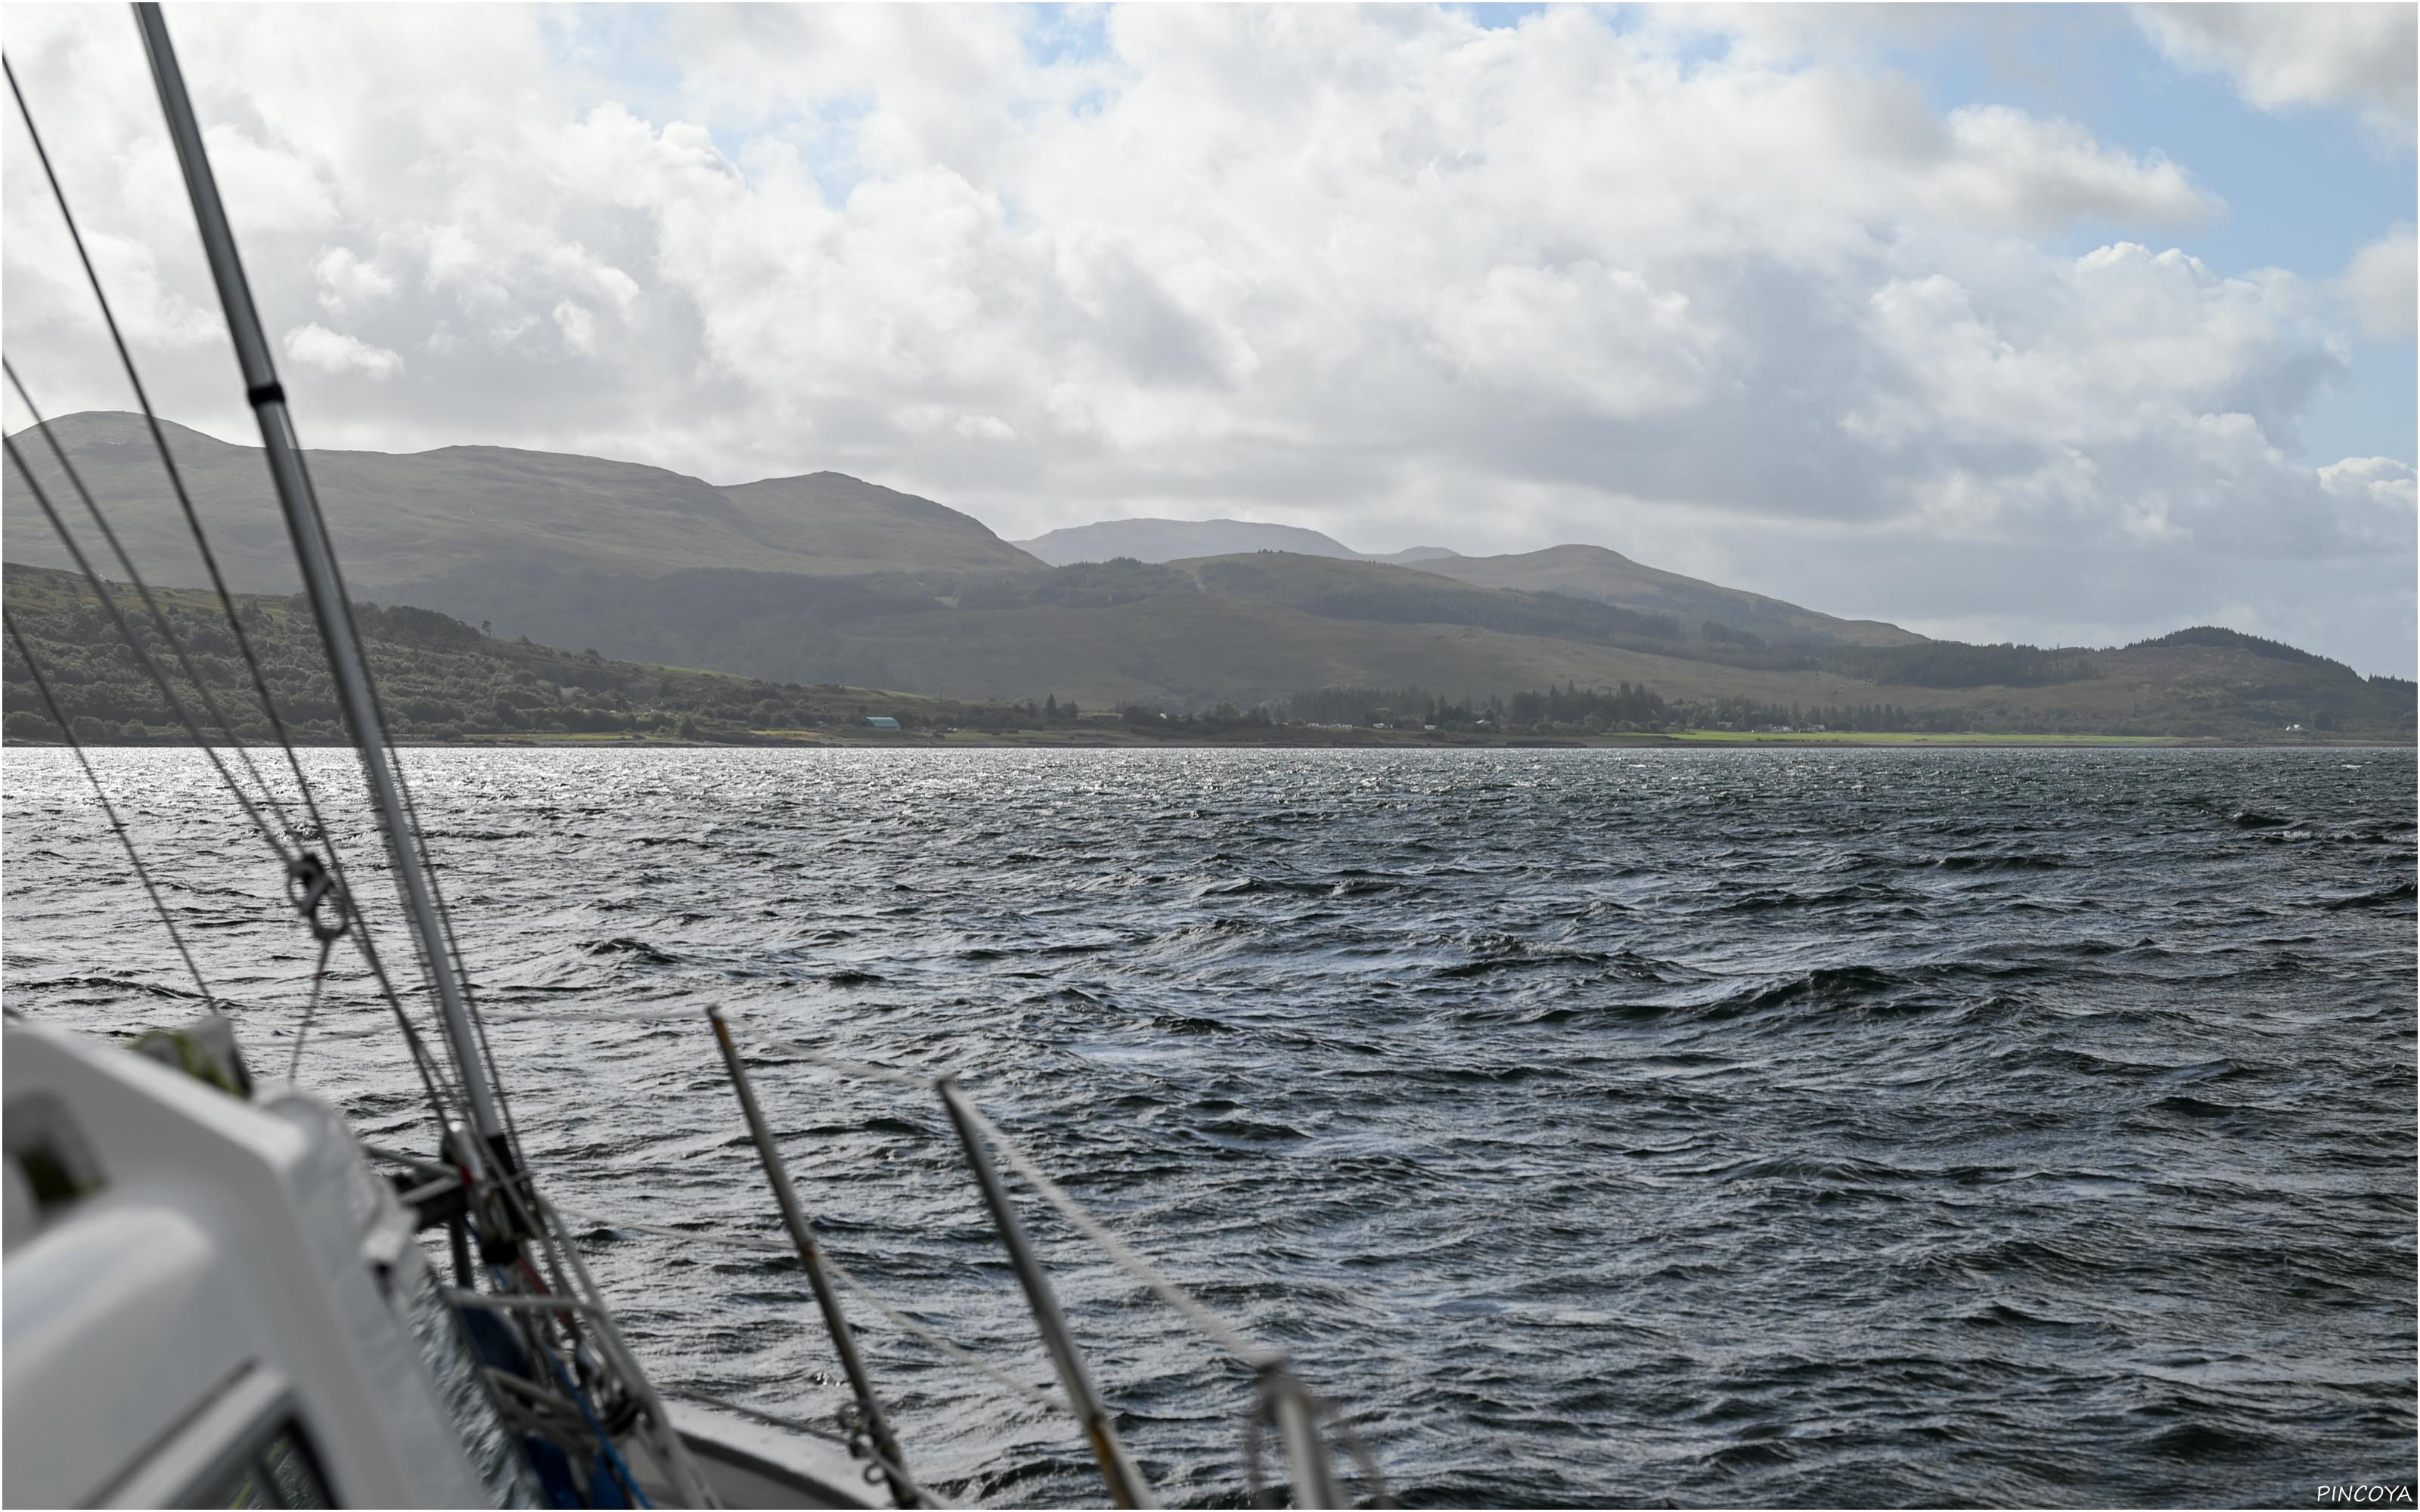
column 401, row 521
column 1188, row 651
column 1254, row 629
column 829, row 581
column 785, row 625
column 439, row 679
column 1374, row 591
column 1610, row 577
column 1130, row 636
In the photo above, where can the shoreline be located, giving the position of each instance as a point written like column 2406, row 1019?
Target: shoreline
column 1297, row 740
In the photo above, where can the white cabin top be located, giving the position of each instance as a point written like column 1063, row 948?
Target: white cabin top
column 202, row 1291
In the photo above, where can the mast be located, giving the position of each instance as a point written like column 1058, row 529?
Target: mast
column 319, row 576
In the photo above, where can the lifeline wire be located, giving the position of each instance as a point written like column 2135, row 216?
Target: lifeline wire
column 42, row 686
column 1228, row 1337
column 158, row 679
column 184, row 716
column 176, row 478
column 311, row 1010
column 748, row 1242
column 227, row 603
column 159, row 616
column 1218, row 1331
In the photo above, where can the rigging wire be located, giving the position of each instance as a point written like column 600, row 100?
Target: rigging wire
column 1217, row 1328
column 227, row 603
column 167, row 458
column 440, row 972
column 201, row 543
column 43, row 686
column 310, row 1009
column 411, row 812
column 411, row 835
column 175, row 477
column 455, row 962
column 445, row 918
column 159, row 616
column 160, row 680
column 318, row 823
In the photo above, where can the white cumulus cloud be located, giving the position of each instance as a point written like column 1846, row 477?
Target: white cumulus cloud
column 1763, row 310
column 333, row 351
column 2383, row 283
column 2356, row 56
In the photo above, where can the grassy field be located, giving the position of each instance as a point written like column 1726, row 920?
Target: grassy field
column 1854, row 737
column 1105, row 733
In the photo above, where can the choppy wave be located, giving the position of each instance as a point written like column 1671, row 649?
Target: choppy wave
column 1700, row 1128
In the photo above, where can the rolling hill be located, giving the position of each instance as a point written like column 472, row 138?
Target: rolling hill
column 1588, row 572
column 1260, row 627
column 443, row 680
column 826, row 579
column 438, row 680
column 1610, row 577
column 410, row 518
column 1166, row 540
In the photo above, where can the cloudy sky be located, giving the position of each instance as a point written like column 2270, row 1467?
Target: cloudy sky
column 2061, row 324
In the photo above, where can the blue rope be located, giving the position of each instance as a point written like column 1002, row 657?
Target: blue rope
column 604, row 1441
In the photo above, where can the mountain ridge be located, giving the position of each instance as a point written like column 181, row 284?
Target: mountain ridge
column 1604, row 575
column 406, row 516
column 1148, row 539
column 410, row 522
column 1580, row 570
column 824, row 577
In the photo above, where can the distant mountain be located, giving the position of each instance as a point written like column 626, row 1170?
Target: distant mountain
column 1610, row 577
column 440, row 679
column 826, row 579
column 1167, row 540
column 1589, row 572
column 1159, row 643
column 1264, row 626
column 424, row 516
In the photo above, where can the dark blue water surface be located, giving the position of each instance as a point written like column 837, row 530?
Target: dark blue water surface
column 1694, row 1127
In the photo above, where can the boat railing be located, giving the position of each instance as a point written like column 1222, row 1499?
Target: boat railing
column 514, row 1265
column 1307, row 1429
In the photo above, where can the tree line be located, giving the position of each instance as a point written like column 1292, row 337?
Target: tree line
column 1957, row 664
column 439, row 678
column 1567, row 709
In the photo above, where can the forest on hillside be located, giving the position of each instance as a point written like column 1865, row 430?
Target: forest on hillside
column 440, row 679
column 443, row 679
column 789, row 627
column 1625, row 708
